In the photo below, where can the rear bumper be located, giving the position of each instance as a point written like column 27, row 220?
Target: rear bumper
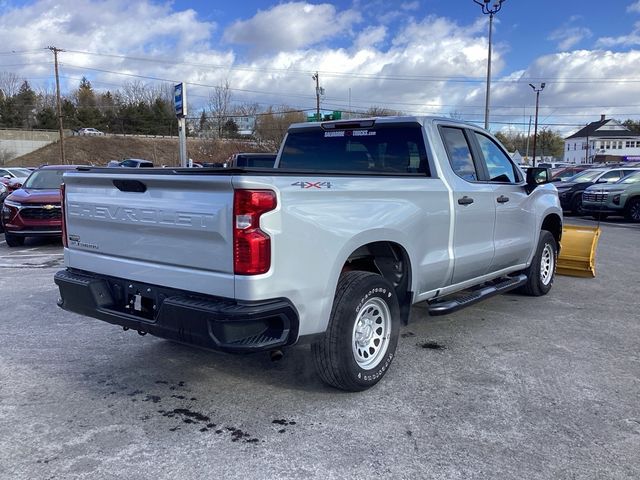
column 204, row 321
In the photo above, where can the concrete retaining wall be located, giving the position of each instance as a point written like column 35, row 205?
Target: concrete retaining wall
column 14, row 143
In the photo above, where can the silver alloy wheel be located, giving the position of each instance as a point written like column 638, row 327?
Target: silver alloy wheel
column 547, row 264
column 371, row 332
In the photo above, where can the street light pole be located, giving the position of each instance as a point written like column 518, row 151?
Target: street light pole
column 535, row 129
column 491, row 11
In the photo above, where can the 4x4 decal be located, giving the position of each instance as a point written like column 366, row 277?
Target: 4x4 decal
column 307, row 185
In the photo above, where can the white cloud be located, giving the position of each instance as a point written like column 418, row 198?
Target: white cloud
column 568, row 37
column 291, row 26
column 410, row 5
column 418, row 65
column 371, row 37
column 631, row 39
column 634, row 7
column 569, row 34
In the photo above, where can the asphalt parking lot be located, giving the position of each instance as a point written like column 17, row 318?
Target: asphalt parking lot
column 514, row 388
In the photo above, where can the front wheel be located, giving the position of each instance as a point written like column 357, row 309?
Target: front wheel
column 13, row 240
column 633, row 210
column 541, row 272
column 361, row 338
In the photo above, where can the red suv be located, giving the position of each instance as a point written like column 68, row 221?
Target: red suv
column 34, row 210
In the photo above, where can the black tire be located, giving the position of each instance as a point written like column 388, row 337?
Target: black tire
column 339, row 358
column 540, row 280
column 632, row 212
column 576, row 205
column 13, row 240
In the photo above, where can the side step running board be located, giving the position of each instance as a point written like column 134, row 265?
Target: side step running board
column 460, row 300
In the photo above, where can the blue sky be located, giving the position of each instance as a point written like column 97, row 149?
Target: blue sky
column 416, row 56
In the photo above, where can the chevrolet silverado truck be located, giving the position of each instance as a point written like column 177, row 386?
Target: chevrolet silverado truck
column 358, row 221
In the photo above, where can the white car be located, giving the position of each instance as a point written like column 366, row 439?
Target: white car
column 89, row 131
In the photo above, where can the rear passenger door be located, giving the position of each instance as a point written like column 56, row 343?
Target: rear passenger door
column 474, row 204
column 515, row 222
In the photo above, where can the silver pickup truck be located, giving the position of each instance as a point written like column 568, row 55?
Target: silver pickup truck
column 359, row 220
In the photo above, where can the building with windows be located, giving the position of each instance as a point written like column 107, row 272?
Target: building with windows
column 604, row 141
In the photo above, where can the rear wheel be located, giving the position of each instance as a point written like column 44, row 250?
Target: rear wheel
column 542, row 270
column 633, row 210
column 13, row 240
column 362, row 335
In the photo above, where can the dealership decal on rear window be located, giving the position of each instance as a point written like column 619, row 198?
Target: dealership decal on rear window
column 350, row 133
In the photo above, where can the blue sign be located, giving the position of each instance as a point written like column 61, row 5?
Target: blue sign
column 180, row 100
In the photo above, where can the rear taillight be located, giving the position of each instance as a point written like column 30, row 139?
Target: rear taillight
column 251, row 246
column 65, row 243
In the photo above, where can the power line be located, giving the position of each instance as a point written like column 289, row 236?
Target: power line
column 374, row 76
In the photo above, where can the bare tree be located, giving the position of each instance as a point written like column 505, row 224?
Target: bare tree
column 131, row 92
column 381, row 112
column 46, row 97
column 271, row 126
column 9, row 83
column 220, row 105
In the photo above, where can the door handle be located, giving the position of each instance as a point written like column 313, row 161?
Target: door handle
column 502, row 199
column 465, row 200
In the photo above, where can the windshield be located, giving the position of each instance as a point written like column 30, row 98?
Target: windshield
column 633, row 178
column 44, row 180
column 20, row 172
column 586, row 176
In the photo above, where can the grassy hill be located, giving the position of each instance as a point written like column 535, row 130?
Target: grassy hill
column 161, row 151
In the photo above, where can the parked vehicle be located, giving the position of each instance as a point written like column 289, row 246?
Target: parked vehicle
column 560, row 174
column 89, row 132
column 359, row 220
column 553, row 164
column 34, row 209
column 620, row 198
column 251, row 160
column 14, row 172
column 131, row 163
column 570, row 191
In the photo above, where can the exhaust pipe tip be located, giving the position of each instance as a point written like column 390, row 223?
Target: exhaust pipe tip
column 142, row 333
column 276, row 355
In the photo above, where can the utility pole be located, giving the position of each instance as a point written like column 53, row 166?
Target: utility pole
column 535, row 130
column 319, row 91
column 58, row 102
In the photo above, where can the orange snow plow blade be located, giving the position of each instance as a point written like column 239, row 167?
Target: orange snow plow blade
column 578, row 253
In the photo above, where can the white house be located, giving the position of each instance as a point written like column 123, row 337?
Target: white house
column 604, row 141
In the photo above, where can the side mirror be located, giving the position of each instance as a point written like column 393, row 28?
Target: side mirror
column 537, row 176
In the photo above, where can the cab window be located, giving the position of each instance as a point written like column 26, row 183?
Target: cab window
column 499, row 165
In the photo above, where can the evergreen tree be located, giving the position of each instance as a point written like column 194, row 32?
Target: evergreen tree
column 25, row 102
column 46, row 119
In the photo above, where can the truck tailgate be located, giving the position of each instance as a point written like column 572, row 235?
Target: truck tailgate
column 167, row 229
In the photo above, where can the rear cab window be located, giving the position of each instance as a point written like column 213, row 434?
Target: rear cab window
column 367, row 147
